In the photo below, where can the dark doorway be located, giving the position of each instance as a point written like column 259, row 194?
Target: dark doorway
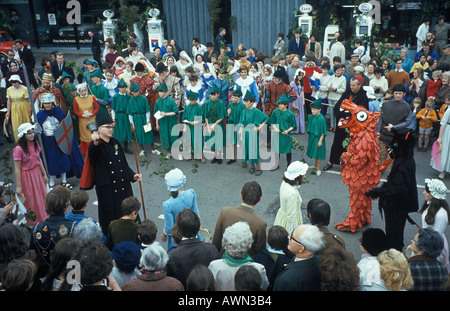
column 223, row 19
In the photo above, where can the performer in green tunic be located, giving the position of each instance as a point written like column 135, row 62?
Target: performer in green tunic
column 317, row 130
column 234, row 110
column 283, row 123
column 139, row 116
column 214, row 114
column 251, row 121
column 100, row 92
column 167, row 125
column 192, row 119
column 119, row 104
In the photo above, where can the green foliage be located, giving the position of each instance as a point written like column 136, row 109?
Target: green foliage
column 6, row 25
column 215, row 11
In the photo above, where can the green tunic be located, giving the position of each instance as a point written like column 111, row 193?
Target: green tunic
column 195, row 133
column 168, row 134
column 316, row 127
column 283, row 120
column 250, row 138
column 213, row 111
column 122, row 130
column 233, row 118
column 100, row 92
column 137, row 108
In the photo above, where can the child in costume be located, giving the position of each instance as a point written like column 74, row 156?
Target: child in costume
column 214, row 114
column 234, row 110
column 317, row 130
column 192, row 119
column 283, row 123
column 110, row 83
column 167, row 108
column 100, row 92
column 119, row 105
column 252, row 119
column 138, row 111
column 426, row 117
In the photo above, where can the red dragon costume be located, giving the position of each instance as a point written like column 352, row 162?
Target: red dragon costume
column 360, row 169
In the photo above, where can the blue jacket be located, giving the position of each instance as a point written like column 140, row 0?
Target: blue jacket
column 293, row 48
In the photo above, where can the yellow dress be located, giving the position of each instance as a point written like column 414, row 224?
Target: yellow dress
column 20, row 107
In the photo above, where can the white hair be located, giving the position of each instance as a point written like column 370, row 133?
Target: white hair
column 237, row 239
column 311, row 238
column 154, row 257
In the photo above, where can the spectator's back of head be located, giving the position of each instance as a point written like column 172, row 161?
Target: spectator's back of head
column 374, row 241
column 319, row 212
column 277, row 238
column 200, row 279
column 247, row 278
column 57, row 200
column 18, row 275
column 147, row 231
column 251, row 193
column 130, row 205
column 188, row 223
column 79, row 199
column 87, row 229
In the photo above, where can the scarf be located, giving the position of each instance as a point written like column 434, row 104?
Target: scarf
column 236, row 262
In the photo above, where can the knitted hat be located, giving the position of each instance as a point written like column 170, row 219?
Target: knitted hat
column 175, row 179
column 126, row 255
column 438, row 190
column 359, row 78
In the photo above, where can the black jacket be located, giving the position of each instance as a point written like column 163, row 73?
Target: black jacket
column 188, row 254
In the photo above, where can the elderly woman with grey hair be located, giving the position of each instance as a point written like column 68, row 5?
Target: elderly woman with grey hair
column 154, row 278
column 237, row 240
column 88, row 229
column 427, row 272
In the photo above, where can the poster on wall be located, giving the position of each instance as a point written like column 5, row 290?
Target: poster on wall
column 52, row 19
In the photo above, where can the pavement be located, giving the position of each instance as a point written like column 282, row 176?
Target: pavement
column 220, row 185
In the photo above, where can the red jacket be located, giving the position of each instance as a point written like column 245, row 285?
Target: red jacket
column 274, row 92
column 309, row 71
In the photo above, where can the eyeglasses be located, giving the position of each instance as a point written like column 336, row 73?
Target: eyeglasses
column 108, row 127
column 291, row 237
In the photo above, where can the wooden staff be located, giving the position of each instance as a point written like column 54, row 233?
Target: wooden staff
column 137, row 167
column 311, row 101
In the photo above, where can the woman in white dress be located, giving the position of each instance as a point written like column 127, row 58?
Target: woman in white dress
column 435, row 213
column 444, row 141
column 289, row 216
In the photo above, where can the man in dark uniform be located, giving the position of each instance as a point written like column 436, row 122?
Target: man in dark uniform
column 113, row 176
